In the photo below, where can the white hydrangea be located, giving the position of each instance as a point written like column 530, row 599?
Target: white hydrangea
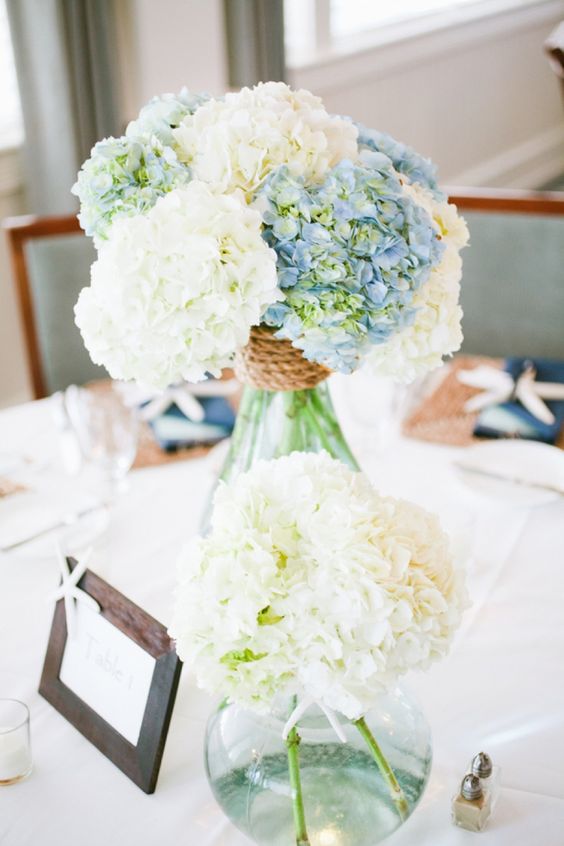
column 451, row 226
column 237, row 141
column 175, row 291
column 436, row 331
column 312, row 583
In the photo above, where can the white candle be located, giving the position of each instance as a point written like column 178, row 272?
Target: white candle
column 15, row 754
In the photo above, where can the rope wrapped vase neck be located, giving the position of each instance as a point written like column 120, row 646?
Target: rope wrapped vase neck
column 273, row 364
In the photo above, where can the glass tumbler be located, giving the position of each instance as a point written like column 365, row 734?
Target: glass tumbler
column 15, row 746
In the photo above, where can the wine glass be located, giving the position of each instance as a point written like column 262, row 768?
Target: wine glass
column 107, row 431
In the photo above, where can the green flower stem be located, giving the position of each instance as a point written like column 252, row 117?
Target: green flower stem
column 262, row 401
column 293, row 744
column 243, row 438
column 244, row 417
column 326, row 413
column 386, row 771
column 316, row 427
column 291, row 436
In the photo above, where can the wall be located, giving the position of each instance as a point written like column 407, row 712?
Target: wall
column 167, row 44
column 479, row 98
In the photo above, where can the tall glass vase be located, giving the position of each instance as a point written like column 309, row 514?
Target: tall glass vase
column 319, row 791
column 275, row 423
column 285, row 407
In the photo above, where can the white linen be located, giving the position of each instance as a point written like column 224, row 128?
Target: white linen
column 501, row 689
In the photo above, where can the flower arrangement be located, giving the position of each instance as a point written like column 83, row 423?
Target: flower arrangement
column 329, row 593
column 363, row 248
column 312, row 585
column 164, row 301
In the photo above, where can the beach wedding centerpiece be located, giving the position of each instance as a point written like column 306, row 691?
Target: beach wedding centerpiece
column 308, row 599
column 260, row 230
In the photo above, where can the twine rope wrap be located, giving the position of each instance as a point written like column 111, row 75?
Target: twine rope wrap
column 273, row 364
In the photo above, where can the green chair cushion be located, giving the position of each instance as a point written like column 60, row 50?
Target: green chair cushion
column 58, row 267
column 513, row 285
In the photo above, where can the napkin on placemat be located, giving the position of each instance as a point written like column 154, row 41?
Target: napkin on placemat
column 149, row 451
column 174, row 431
column 440, row 417
column 512, row 419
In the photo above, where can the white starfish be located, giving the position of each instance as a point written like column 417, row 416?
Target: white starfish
column 184, row 396
column 69, row 590
column 499, row 386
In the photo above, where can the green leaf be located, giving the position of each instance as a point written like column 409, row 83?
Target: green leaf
column 266, row 617
column 235, row 657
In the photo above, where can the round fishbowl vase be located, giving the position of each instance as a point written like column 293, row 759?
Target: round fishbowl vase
column 352, row 793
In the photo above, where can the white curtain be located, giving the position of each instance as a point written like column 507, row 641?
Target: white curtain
column 65, row 53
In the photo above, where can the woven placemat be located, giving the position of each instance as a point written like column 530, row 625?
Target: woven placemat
column 440, row 417
column 149, row 452
column 9, row 487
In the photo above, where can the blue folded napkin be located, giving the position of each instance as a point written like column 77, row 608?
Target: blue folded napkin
column 512, row 420
column 174, row 431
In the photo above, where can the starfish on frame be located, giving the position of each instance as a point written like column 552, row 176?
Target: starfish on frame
column 69, row 591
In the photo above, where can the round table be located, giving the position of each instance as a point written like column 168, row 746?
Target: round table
column 501, row 689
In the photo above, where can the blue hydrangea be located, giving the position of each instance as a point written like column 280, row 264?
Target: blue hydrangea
column 163, row 114
column 404, row 158
column 351, row 252
column 124, row 176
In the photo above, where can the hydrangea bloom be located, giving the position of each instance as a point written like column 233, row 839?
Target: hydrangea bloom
column 175, row 291
column 124, row 176
column 404, row 159
column 164, row 113
column 367, row 247
column 236, row 142
column 352, row 253
column 436, row 331
column 311, row 583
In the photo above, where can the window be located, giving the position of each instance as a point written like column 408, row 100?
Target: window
column 319, row 28
column 11, row 126
column 349, row 17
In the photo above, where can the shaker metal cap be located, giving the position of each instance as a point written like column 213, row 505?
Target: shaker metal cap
column 482, row 765
column 471, row 787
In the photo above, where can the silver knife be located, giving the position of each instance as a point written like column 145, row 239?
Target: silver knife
column 68, row 520
column 492, row 474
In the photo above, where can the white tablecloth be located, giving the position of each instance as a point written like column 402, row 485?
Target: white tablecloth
column 501, row 689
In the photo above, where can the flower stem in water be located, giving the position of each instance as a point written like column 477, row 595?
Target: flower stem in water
column 316, row 427
column 386, row 771
column 293, row 743
column 325, row 412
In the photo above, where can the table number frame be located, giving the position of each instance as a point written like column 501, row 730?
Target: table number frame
column 140, row 762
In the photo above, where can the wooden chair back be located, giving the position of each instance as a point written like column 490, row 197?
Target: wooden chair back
column 513, row 272
column 51, row 260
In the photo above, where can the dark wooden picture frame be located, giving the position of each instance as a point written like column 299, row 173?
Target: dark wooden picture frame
column 141, row 763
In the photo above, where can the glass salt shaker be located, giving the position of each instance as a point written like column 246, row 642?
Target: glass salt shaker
column 471, row 807
column 489, row 774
